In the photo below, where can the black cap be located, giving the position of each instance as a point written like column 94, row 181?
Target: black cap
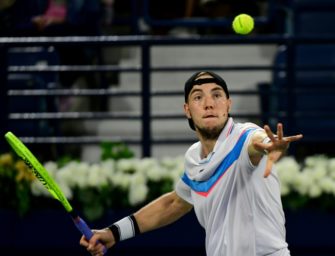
column 194, row 81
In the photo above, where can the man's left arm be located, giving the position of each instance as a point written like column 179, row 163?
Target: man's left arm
column 273, row 145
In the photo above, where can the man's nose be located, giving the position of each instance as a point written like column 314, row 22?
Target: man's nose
column 208, row 102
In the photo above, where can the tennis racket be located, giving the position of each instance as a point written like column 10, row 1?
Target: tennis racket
column 43, row 176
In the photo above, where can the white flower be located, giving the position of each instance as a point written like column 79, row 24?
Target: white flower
column 157, row 173
column 108, row 169
column 317, row 160
column 51, row 167
column 288, row 172
column 331, row 168
column 175, row 175
column 284, row 190
column 303, row 183
column 288, row 164
column 327, row 185
column 121, row 180
column 96, row 176
column 174, row 168
column 74, row 174
column 66, row 190
column 138, row 190
column 312, row 178
column 171, row 162
column 127, row 165
column 319, row 172
column 147, row 165
column 37, row 189
column 314, row 191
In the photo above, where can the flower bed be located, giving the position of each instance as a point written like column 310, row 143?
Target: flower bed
column 119, row 183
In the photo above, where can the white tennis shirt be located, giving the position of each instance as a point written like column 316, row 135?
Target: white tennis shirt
column 240, row 210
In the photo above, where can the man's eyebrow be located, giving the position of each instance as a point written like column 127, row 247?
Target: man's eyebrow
column 195, row 90
column 218, row 88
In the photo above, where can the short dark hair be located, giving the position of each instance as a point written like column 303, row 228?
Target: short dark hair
column 194, row 80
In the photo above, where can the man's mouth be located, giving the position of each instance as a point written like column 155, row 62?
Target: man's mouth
column 209, row 116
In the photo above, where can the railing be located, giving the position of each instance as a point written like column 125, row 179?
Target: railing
column 142, row 11
column 145, row 69
column 222, row 22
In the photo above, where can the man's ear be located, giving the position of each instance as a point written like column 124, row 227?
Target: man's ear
column 187, row 110
column 229, row 105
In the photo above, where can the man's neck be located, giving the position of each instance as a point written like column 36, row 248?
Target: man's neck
column 208, row 139
column 207, row 147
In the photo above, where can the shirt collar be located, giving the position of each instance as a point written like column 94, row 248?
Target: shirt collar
column 225, row 132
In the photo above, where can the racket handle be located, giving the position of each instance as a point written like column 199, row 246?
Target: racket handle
column 84, row 229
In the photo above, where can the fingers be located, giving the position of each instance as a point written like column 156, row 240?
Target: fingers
column 294, row 138
column 269, row 132
column 94, row 239
column 92, row 246
column 277, row 147
column 93, row 243
column 83, row 242
column 280, row 132
column 97, row 250
column 261, row 146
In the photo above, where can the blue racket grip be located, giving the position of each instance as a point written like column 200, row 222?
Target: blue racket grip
column 84, row 229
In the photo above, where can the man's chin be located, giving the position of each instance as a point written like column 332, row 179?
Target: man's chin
column 210, row 132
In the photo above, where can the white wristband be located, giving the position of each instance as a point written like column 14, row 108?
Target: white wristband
column 125, row 228
column 265, row 141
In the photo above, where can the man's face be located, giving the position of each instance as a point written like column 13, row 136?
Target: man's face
column 208, row 107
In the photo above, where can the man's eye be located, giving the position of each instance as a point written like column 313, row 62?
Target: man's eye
column 197, row 97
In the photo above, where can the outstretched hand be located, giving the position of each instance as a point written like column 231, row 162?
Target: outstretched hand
column 277, row 146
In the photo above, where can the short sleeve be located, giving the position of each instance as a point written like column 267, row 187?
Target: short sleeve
column 184, row 191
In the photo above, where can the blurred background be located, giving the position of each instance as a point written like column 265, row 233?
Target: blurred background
column 95, row 90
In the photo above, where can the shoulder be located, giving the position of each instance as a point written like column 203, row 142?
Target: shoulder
column 249, row 127
column 193, row 150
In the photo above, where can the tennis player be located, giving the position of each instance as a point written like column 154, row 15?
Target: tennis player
column 229, row 180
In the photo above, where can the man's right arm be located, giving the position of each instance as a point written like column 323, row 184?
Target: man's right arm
column 161, row 212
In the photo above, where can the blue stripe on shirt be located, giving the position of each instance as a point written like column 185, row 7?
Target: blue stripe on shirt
column 231, row 157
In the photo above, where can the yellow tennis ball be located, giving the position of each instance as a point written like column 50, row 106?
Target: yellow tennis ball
column 243, row 24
